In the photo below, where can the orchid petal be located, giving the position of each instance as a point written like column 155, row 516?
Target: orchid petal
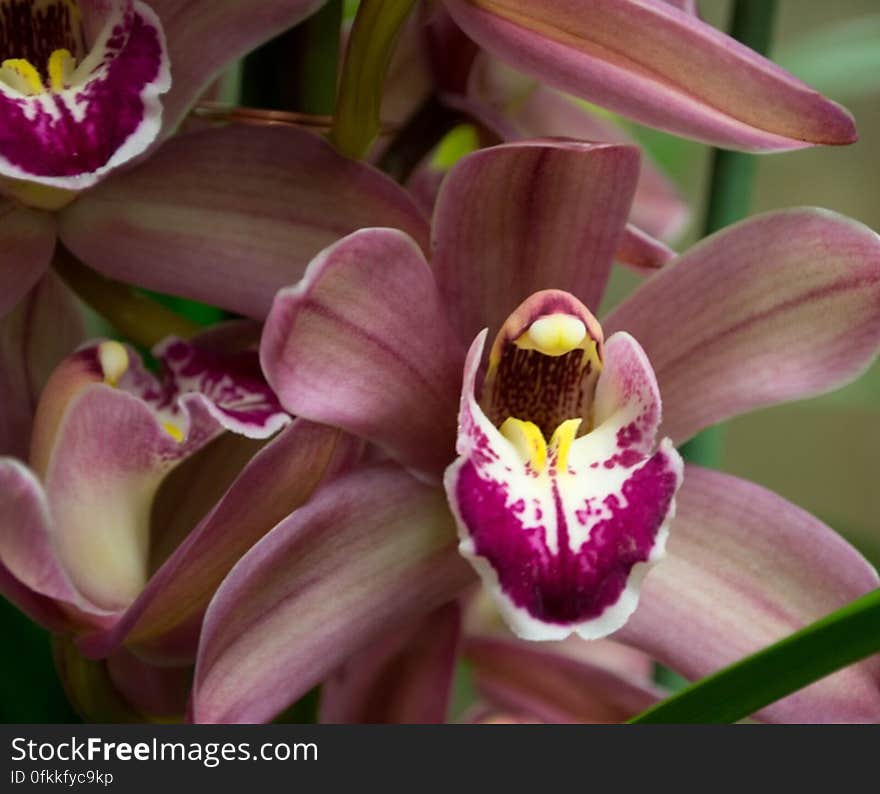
column 562, row 536
column 92, row 116
column 365, row 555
column 552, row 687
column 363, row 343
column 278, row 479
column 186, row 220
column 771, row 568
column 404, row 678
column 206, row 36
column 779, row 307
column 658, row 65
column 519, row 107
column 521, row 217
column 27, row 238
column 44, row 328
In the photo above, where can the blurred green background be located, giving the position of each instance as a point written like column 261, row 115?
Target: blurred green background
column 823, row 454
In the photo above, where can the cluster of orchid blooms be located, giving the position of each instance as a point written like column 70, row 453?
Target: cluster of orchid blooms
column 417, row 445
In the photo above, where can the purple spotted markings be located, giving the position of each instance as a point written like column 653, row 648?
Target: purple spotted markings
column 199, row 394
column 79, row 87
column 561, row 494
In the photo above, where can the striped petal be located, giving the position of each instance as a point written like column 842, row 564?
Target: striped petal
column 518, row 218
column 90, row 102
column 184, row 221
column 779, row 307
column 368, row 554
column 363, row 343
column 770, row 568
column 659, row 65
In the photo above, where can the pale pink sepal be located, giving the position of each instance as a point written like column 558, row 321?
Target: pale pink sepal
column 771, row 568
column 366, row 555
column 779, row 307
column 658, row 65
column 363, row 343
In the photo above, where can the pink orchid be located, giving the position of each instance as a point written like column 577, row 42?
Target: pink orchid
column 141, row 493
column 373, row 340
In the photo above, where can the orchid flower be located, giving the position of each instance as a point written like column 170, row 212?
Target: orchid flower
column 142, row 492
column 89, row 86
column 373, row 340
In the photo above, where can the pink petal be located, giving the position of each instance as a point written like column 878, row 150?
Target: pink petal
column 365, row 556
column 44, row 328
column 206, row 36
column 27, row 240
column 363, row 343
column 278, row 480
column 658, row 65
column 186, row 220
column 404, row 678
column 552, row 687
column 518, row 218
column 779, row 307
column 744, row 569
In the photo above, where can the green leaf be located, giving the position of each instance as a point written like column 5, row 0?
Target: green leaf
column 837, row 640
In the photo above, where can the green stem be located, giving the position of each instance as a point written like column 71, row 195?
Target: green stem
column 837, row 640
column 374, row 35
column 730, row 186
column 133, row 315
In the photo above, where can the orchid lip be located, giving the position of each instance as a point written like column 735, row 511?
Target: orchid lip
column 79, row 89
column 561, row 497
